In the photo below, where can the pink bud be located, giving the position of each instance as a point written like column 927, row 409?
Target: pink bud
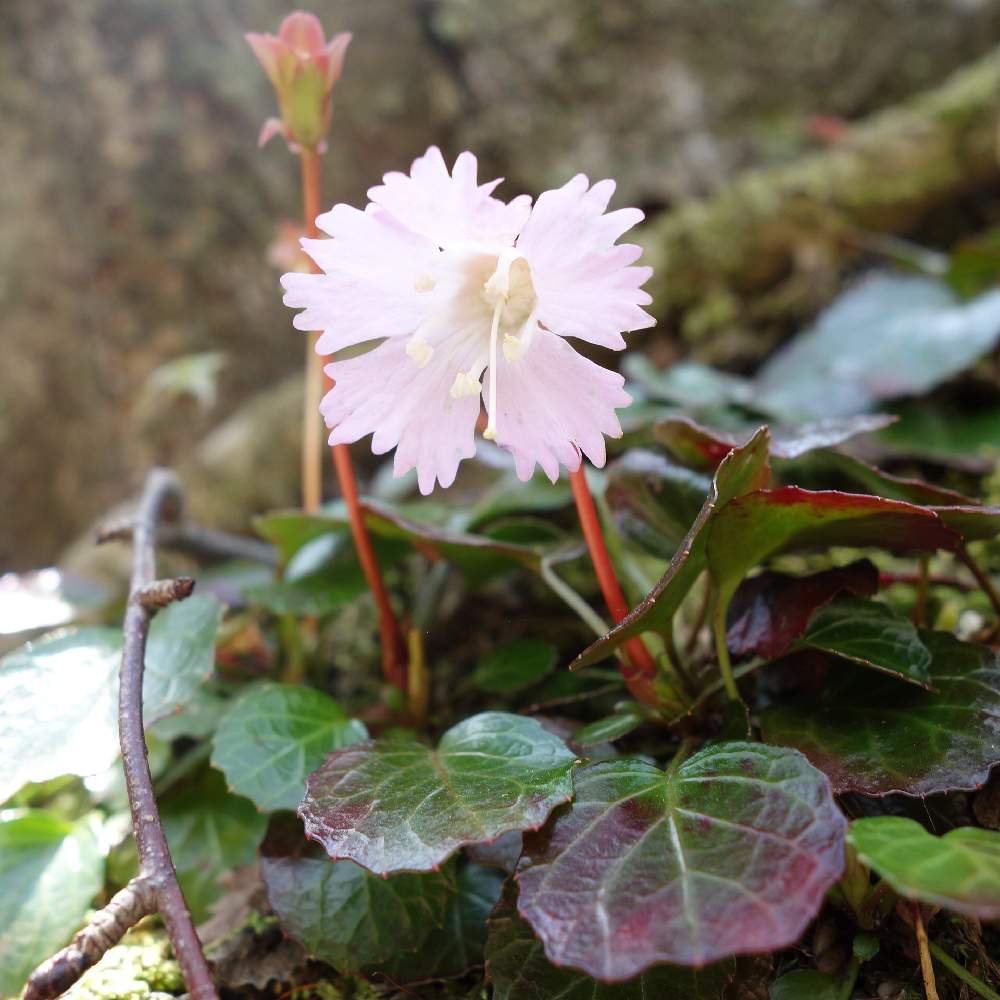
column 303, row 67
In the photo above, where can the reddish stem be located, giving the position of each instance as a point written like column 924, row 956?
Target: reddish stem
column 640, row 670
column 393, row 647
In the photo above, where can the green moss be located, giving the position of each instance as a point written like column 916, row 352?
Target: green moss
column 137, row 969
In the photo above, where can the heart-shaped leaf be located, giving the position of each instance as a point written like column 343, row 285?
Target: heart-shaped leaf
column 653, row 500
column 515, row 664
column 396, row 805
column 343, row 915
column 872, row 735
column 960, row 870
column 729, row 852
column 274, row 736
column 872, row 635
column 771, row 610
column 518, row 969
column 59, row 696
column 50, row 872
column 457, row 945
column 743, row 470
column 886, row 337
column 704, row 447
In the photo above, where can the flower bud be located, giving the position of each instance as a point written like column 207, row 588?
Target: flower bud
column 303, row 67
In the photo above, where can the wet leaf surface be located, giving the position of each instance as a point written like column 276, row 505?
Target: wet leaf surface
column 396, row 805
column 731, row 852
column 871, row 734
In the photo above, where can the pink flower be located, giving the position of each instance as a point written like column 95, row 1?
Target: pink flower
column 471, row 296
column 303, row 67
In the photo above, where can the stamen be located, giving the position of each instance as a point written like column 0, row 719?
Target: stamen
column 513, row 347
column 420, row 351
column 465, row 384
column 491, row 427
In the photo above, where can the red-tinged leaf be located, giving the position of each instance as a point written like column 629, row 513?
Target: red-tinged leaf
column 755, row 527
column 771, row 610
column 744, row 470
column 730, row 852
column 396, row 805
column 872, row 735
column 518, row 969
column 705, row 447
column 974, row 524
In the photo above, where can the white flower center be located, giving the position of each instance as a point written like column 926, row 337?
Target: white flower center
column 511, row 293
column 476, row 289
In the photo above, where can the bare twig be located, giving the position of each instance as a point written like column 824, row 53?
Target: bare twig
column 156, row 889
column 926, row 965
column 197, row 541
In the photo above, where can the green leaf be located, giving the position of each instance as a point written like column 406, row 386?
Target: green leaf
column 457, row 945
column 960, row 871
column 50, row 872
column 59, row 696
column 729, row 852
column 653, row 500
column 743, row 470
column 688, row 384
column 766, row 522
column 515, row 664
column 887, row 337
column 345, row 916
column 274, row 736
column 209, row 832
column 806, row 984
column 474, row 554
column 319, row 593
column 872, row 635
column 519, row 970
column 397, row 805
column 872, row 735
column 628, row 717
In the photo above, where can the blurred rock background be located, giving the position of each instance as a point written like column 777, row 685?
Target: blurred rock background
column 137, row 212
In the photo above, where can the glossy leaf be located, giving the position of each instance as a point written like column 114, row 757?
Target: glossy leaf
column 873, row 635
column 396, row 805
column 960, row 870
column 209, row 832
column 771, row 610
column 627, row 717
column 653, row 500
column 50, row 872
column 355, row 921
column 515, row 664
column 688, row 384
column 761, row 524
column 888, row 336
column 59, row 695
column 730, row 852
column 519, row 970
column 319, row 593
column 872, row 735
column 704, row 447
column 457, row 945
column 744, row 470
column 274, row 736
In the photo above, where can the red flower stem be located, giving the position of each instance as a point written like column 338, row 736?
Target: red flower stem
column 640, row 670
column 393, row 647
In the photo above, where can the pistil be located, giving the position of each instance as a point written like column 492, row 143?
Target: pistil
column 491, row 427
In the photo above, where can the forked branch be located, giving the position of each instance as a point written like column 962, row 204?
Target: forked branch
column 156, row 889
